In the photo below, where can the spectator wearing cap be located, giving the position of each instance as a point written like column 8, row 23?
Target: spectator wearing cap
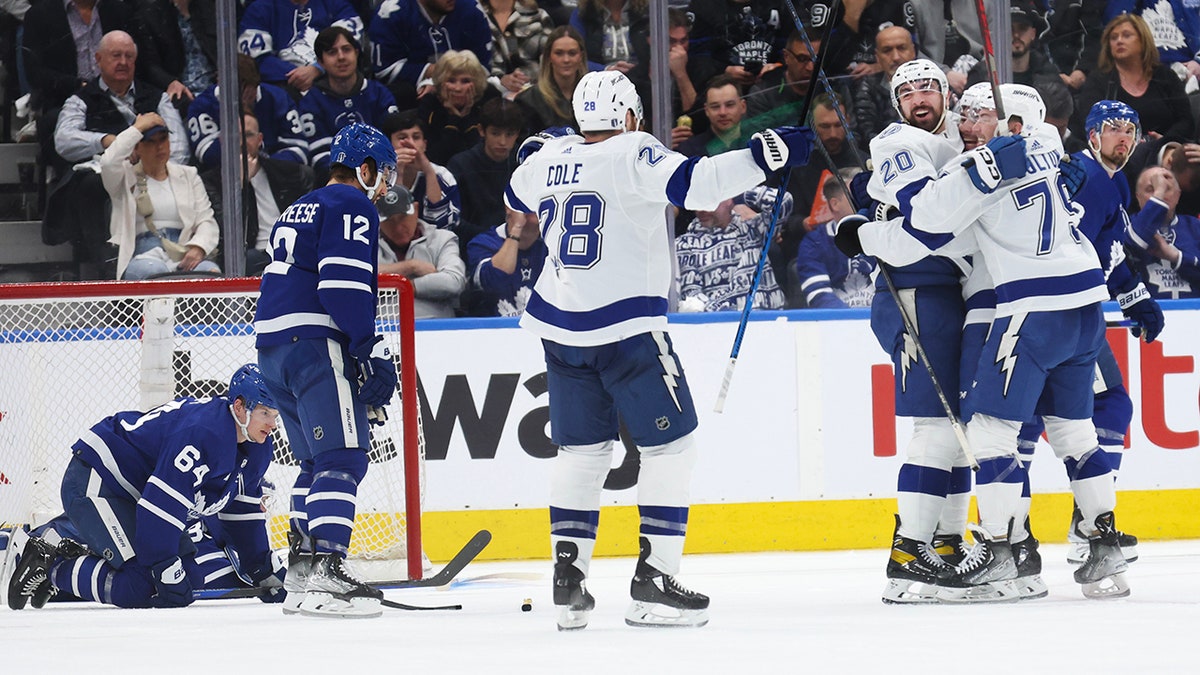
column 1029, row 58
column 483, row 170
column 429, row 257
column 505, row 263
column 161, row 218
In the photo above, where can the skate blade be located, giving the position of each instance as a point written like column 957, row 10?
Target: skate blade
column 1108, row 588
column 906, row 592
column 656, row 615
column 326, row 605
column 570, row 618
column 990, row 593
column 292, row 602
column 1031, row 587
column 1130, row 553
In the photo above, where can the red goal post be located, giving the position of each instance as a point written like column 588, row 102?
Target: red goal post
column 74, row 353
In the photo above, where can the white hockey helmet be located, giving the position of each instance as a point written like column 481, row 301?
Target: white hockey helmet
column 978, row 95
column 601, row 100
column 916, row 71
column 1022, row 101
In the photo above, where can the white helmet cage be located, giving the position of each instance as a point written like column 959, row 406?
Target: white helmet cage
column 601, row 100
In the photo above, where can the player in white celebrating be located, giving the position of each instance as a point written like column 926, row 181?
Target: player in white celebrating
column 600, row 308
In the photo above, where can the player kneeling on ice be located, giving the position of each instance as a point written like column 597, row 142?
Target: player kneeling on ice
column 600, row 308
column 157, row 504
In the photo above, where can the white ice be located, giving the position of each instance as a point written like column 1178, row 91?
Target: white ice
column 771, row 612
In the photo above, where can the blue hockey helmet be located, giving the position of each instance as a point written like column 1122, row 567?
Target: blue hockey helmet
column 248, row 384
column 356, row 142
column 535, row 142
column 1107, row 112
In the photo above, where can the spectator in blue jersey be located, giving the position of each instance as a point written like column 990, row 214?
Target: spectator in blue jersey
column 178, row 42
column 279, row 35
column 827, row 278
column 270, row 186
column 408, row 36
column 326, row 366
column 451, row 111
column 282, row 127
column 433, row 187
column 341, row 96
column 564, row 61
column 161, row 218
column 505, row 263
column 153, row 500
column 426, row 255
column 718, row 255
column 615, row 34
column 1165, row 245
column 1175, row 26
column 519, row 32
column 483, row 170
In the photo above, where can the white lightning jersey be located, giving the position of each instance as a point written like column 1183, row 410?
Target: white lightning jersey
column 602, row 211
column 1026, row 230
column 906, row 157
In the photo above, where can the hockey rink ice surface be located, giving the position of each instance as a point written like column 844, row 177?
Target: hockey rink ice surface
column 771, row 613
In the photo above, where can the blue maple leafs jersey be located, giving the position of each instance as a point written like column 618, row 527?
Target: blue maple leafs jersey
column 321, row 281
column 278, row 120
column 181, row 462
column 325, row 112
column 404, row 40
column 1105, row 221
column 279, row 34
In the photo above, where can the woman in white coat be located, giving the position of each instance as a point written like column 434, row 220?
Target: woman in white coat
column 162, row 220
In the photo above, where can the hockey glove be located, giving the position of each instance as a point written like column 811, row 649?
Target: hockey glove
column 846, row 238
column 1071, row 175
column 1143, row 310
column 774, row 149
column 1002, row 158
column 858, row 189
column 171, row 585
column 267, row 575
column 376, row 372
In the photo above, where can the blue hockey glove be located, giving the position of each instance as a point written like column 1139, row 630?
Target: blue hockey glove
column 858, row 189
column 1143, row 310
column 1002, row 158
column 171, row 585
column 376, row 372
column 1071, row 175
column 846, row 239
column 774, row 149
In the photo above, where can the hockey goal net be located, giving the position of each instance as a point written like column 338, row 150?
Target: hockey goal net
column 72, row 354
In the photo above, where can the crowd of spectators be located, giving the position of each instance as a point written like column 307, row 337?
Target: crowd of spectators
column 124, row 97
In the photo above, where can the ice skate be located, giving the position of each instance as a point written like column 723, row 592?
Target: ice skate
column 330, row 590
column 985, row 575
column 1029, row 569
column 1103, row 574
column 660, row 601
column 30, row 577
column 571, row 596
column 1078, row 548
column 296, row 578
column 951, row 548
column 911, row 571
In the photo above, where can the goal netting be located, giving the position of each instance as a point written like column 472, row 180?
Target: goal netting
column 72, row 354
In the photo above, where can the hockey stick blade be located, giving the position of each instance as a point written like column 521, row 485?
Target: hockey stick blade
column 444, row 576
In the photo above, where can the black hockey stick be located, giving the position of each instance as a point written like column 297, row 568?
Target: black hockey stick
column 766, row 247
column 444, row 576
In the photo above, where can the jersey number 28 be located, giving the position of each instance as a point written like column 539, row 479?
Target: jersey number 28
column 581, row 216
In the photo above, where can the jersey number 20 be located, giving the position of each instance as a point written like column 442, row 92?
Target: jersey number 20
column 582, row 219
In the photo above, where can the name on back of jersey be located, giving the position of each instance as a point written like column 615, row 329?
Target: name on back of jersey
column 300, row 212
column 1046, row 160
column 563, row 174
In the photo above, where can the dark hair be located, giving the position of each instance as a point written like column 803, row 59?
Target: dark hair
column 1056, row 96
column 247, row 71
column 326, row 38
column 503, row 114
column 720, row 80
column 399, row 121
column 677, row 18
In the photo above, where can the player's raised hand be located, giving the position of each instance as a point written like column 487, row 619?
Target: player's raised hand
column 1002, row 158
column 376, row 372
column 774, row 149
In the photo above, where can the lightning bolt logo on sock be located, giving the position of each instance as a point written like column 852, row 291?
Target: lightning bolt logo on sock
column 909, row 355
column 670, row 368
column 1008, row 344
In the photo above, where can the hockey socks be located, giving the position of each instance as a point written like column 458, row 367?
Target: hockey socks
column 299, row 498
column 331, row 499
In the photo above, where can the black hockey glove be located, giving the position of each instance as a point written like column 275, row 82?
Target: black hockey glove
column 846, row 237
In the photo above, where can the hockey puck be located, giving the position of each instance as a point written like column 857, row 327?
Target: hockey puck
column 527, row 605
